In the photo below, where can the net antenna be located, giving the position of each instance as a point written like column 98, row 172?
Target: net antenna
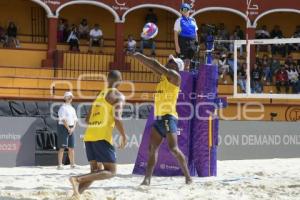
column 248, row 43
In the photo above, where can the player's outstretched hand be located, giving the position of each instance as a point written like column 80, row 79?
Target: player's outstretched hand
column 123, row 142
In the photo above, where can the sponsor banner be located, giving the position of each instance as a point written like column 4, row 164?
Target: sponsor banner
column 292, row 114
column 17, row 141
column 239, row 140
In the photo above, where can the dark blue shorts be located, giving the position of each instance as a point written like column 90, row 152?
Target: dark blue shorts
column 64, row 140
column 166, row 124
column 101, row 151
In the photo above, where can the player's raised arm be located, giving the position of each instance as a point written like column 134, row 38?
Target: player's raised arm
column 170, row 70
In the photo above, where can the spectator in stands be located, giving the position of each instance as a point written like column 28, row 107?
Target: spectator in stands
column 216, row 59
column 223, row 67
column 2, row 35
column 151, row 16
column 212, row 28
column 185, row 35
column 242, row 77
column 289, row 61
column 66, row 127
column 12, row 32
column 297, row 32
column 276, row 33
column 219, row 46
column 66, row 30
column 96, row 36
column 266, row 64
column 84, row 29
column 293, row 76
column 73, row 39
column 295, row 46
column 203, row 33
column 262, row 33
column 239, row 35
column 235, row 36
column 230, row 62
column 224, row 34
column 265, row 60
column 282, row 79
column 298, row 70
column 61, row 30
column 256, row 79
column 239, row 32
column 148, row 44
column 275, row 66
column 131, row 45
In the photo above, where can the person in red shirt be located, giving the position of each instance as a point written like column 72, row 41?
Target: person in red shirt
column 282, row 79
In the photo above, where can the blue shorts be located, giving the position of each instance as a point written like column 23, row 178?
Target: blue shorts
column 166, row 124
column 64, row 139
column 101, row 151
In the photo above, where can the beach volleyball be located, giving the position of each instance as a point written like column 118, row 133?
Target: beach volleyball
column 149, row 100
column 150, row 31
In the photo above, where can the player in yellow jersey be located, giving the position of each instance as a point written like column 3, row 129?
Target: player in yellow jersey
column 105, row 114
column 165, row 125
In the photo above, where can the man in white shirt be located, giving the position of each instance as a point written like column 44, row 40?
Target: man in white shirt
column 293, row 78
column 96, row 36
column 66, row 127
column 223, row 67
column 262, row 33
column 131, row 45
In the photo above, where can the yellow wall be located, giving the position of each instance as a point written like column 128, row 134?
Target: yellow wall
column 75, row 13
column 18, row 11
column 136, row 20
column 229, row 19
column 21, row 58
column 287, row 22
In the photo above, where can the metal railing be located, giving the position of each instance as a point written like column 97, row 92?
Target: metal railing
column 70, row 65
column 138, row 72
column 75, row 64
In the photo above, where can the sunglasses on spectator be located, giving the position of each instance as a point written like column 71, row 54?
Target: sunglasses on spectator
column 185, row 10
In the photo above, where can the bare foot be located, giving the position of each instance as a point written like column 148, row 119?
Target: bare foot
column 83, row 186
column 146, row 181
column 75, row 186
column 188, row 180
column 74, row 197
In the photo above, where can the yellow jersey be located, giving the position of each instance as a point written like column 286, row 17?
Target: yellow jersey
column 101, row 121
column 165, row 99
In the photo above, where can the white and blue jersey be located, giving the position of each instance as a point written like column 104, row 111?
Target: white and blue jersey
column 186, row 27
